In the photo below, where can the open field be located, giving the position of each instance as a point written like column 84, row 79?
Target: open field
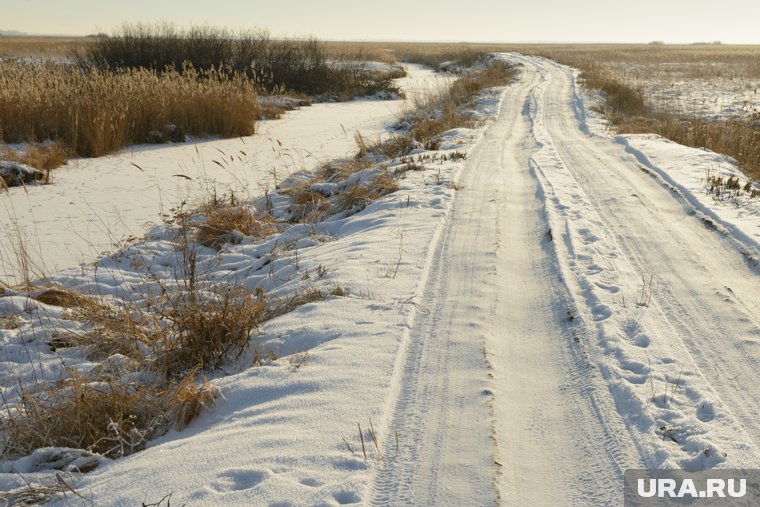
column 710, row 81
column 705, row 80
column 40, row 47
column 493, row 287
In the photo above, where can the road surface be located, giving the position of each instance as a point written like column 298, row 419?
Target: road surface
column 579, row 319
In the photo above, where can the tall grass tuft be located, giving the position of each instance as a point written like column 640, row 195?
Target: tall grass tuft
column 443, row 109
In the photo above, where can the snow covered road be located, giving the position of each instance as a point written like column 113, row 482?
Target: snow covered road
column 581, row 314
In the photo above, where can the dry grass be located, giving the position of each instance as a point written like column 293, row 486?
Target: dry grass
column 308, row 206
column 438, row 55
column 94, row 113
column 351, row 51
column 44, row 157
column 430, row 116
column 40, row 47
column 204, row 328
column 290, row 303
column 729, row 187
column 736, row 138
column 342, row 168
column 164, row 342
column 358, row 196
column 57, row 295
column 442, row 110
column 230, row 224
column 109, row 417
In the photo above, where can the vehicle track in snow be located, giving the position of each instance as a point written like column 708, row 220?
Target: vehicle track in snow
column 577, row 319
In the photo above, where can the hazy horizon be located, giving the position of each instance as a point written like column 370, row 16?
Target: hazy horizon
column 583, row 21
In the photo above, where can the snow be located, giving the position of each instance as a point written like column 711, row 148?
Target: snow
column 277, row 432
column 518, row 327
column 96, row 204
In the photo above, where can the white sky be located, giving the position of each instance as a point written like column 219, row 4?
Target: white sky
column 730, row 21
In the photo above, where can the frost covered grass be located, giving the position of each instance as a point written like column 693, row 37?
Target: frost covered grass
column 95, row 112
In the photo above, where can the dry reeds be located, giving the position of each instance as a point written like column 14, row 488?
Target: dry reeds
column 96, row 112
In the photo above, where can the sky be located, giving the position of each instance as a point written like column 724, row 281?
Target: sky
column 729, row 21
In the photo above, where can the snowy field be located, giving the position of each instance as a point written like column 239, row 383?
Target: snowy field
column 517, row 327
column 703, row 89
column 95, row 204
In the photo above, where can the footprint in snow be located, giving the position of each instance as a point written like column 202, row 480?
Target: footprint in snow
column 601, row 312
column 642, row 340
column 633, row 366
column 612, row 289
column 313, row 483
column 346, row 497
column 706, row 411
column 238, row 479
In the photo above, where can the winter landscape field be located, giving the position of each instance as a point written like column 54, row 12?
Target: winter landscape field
column 243, row 268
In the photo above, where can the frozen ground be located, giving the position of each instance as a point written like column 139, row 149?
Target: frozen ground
column 523, row 326
column 95, row 204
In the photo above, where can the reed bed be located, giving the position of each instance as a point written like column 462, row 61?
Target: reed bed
column 95, row 112
column 304, row 66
